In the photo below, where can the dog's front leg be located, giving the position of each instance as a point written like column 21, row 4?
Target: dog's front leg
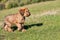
column 23, row 29
column 19, row 26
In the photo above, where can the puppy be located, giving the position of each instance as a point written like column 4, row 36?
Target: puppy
column 17, row 19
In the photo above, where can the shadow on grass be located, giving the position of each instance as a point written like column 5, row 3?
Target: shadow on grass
column 28, row 26
column 32, row 25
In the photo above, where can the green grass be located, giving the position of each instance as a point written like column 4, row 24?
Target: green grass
column 48, row 30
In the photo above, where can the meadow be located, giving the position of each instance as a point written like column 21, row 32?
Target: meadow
column 45, row 27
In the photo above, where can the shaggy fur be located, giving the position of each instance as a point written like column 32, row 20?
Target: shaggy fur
column 17, row 19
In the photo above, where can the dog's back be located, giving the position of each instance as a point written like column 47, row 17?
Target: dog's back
column 14, row 18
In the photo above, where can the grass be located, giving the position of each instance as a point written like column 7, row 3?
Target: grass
column 38, row 28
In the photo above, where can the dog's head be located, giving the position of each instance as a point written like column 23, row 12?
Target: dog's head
column 25, row 12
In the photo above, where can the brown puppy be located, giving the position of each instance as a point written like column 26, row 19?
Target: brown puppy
column 17, row 19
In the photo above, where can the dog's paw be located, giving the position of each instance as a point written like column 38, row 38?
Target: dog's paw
column 23, row 30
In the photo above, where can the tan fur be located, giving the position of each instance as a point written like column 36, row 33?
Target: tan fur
column 18, row 19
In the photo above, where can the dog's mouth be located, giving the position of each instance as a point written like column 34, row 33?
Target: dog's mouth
column 27, row 15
